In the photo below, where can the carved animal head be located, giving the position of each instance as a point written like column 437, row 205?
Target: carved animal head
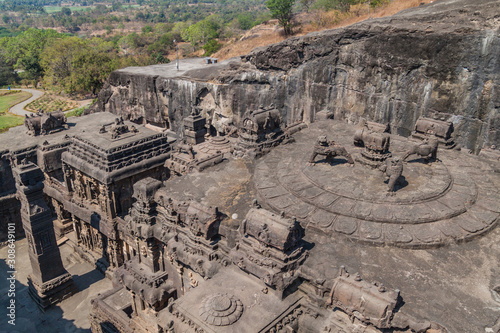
column 322, row 140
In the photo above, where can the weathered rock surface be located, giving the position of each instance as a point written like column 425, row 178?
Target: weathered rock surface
column 436, row 60
column 445, row 212
column 452, row 200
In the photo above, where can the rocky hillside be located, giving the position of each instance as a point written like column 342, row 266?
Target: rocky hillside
column 437, row 60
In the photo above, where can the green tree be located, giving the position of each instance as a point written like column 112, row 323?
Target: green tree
column 66, row 11
column 181, row 27
column 163, row 27
column 57, row 60
column 245, row 21
column 159, row 58
column 201, row 32
column 25, row 51
column 100, row 9
column 377, row 3
column 91, row 69
column 306, row 4
column 7, row 74
column 283, row 11
column 72, row 64
column 116, row 6
column 211, row 47
column 147, row 29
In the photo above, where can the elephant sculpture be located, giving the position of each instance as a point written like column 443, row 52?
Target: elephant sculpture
column 329, row 149
column 427, row 149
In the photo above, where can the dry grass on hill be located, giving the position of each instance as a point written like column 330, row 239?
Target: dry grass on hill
column 359, row 13
column 264, row 34
column 270, row 33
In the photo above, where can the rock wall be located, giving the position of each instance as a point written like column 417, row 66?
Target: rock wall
column 225, row 91
column 438, row 60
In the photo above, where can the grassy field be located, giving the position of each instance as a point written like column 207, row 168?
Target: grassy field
column 8, row 120
column 77, row 112
column 10, row 98
column 53, row 9
column 49, row 103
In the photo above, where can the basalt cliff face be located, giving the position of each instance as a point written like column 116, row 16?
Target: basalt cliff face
column 439, row 60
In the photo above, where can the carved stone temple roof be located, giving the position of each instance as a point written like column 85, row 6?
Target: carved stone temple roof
column 151, row 287
column 272, row 229
column 106, row 157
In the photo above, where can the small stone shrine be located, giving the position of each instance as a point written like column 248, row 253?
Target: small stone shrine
column 259, row 131
column 270, row 248
column 194, row 127
column 45, row 123
column 443, row 130
column 376, row 142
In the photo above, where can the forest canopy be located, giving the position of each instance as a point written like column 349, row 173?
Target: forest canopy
column 73, row 46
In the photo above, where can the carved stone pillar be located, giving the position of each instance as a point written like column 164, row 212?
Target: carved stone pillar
column 104, row 200
column 162, row 257
column 49, row 281
column 126, row 251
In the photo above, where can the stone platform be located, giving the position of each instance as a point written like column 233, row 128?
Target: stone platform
column 214, row 145
column 450, row 200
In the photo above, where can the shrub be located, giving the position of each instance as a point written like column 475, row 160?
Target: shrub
column 211, row 46
column 377, row 3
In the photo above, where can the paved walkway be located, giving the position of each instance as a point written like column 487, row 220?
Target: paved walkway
column 19, row 108
column 68, row 316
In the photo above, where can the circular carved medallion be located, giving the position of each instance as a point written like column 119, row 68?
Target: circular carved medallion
column 221, row 309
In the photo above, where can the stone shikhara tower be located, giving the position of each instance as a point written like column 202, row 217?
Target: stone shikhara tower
column 49, row 282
